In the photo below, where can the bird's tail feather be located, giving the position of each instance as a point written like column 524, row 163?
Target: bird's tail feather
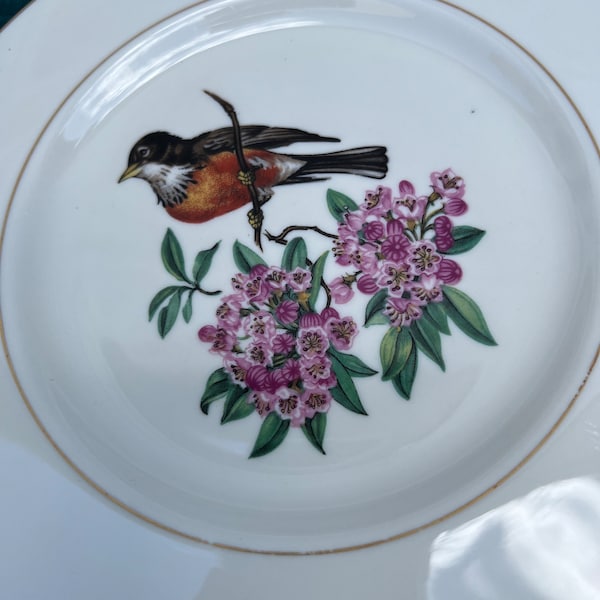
column 370, row 161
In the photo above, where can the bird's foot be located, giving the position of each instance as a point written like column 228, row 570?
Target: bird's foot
column 246, row 177
column 255, row 218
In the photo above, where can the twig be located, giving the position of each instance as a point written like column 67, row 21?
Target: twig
column 280, row 239
column 246, row 175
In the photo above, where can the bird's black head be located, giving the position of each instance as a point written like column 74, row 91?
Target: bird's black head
column 155, row 149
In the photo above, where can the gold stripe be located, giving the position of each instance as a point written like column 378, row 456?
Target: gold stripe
column 182, row 534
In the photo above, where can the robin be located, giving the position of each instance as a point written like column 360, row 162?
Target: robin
column 199, row 179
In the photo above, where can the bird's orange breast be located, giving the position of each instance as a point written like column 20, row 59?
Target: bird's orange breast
column 216, row 189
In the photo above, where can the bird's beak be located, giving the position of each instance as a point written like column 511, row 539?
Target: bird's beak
column 131, row 171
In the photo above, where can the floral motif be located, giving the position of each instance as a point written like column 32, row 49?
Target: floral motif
column 281, row 356
column 398, row 248
column 280, row 334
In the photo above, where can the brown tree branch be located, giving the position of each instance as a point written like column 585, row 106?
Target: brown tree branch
column 280, row 239
column 256, row 215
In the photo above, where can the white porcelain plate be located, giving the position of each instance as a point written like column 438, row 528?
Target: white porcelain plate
column 483, row 226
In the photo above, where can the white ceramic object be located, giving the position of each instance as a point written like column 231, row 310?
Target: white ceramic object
column 122, row 404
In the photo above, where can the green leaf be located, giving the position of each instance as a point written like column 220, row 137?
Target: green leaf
column 436, row 313
column 428, row 340
column 354, row 365
column 394, row 351
column 294, row 255
column 403, row 382
column 373, row 312
column 172, row 256
column 339, row 204
column 245, row 258
column 314, row 430
column 168, row 315
column 217, row 386
column 236, row 405
column 160, row 298
column 203, row 262
column 271, row 434
column 345, row 392
column 467, row 315
column 186, row 311
column 317, row 275
column 465, row 238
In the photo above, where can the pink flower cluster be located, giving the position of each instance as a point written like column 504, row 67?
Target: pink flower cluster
column 397, row 244
column 275, row 346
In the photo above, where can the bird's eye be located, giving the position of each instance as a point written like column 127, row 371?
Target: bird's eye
column 144, row 152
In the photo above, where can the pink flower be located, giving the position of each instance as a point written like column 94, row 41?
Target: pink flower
column 259, row 325
column 373, row 230
column 258, row 271
column 228, row 313
column 423, row 259
column 342, row 249
column 394, row 277
column 263, row 402
column 378, row 202
column 237, row 367
column 341, row 332
column 287, row 312
column 449, row 271
column 341, row 291
column 259, row 352
column 276, row 278
column 427, row 290
column 312, row 342
column 208, row 333
column 397, row 245
column 315, row 400
column 443, row 233
column 442, row 226
column 444, row 243
column 410, row 207
column 367, row 285
column 364, row 258
column 328, row 313
column 455, row 207
column 354, row 221
column 406, row 188
column 283, row 343
column 289, row 406
column 275, row 380
column 223, row 342
column 310, row 319
column 299, row 279
column 256, row 378
column 402, row 311
column 447, row 184
column 346, row 234
column 238, row 282
column 256, row 289
column 291, row 371
column 315, row 369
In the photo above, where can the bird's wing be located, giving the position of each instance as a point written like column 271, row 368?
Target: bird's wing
column 253, row 136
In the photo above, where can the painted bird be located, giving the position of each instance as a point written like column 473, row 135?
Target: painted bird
column 199, row 179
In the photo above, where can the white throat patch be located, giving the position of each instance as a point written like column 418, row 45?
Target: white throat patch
column 169, row 182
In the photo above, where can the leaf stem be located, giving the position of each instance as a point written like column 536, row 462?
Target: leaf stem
column 197, row 288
